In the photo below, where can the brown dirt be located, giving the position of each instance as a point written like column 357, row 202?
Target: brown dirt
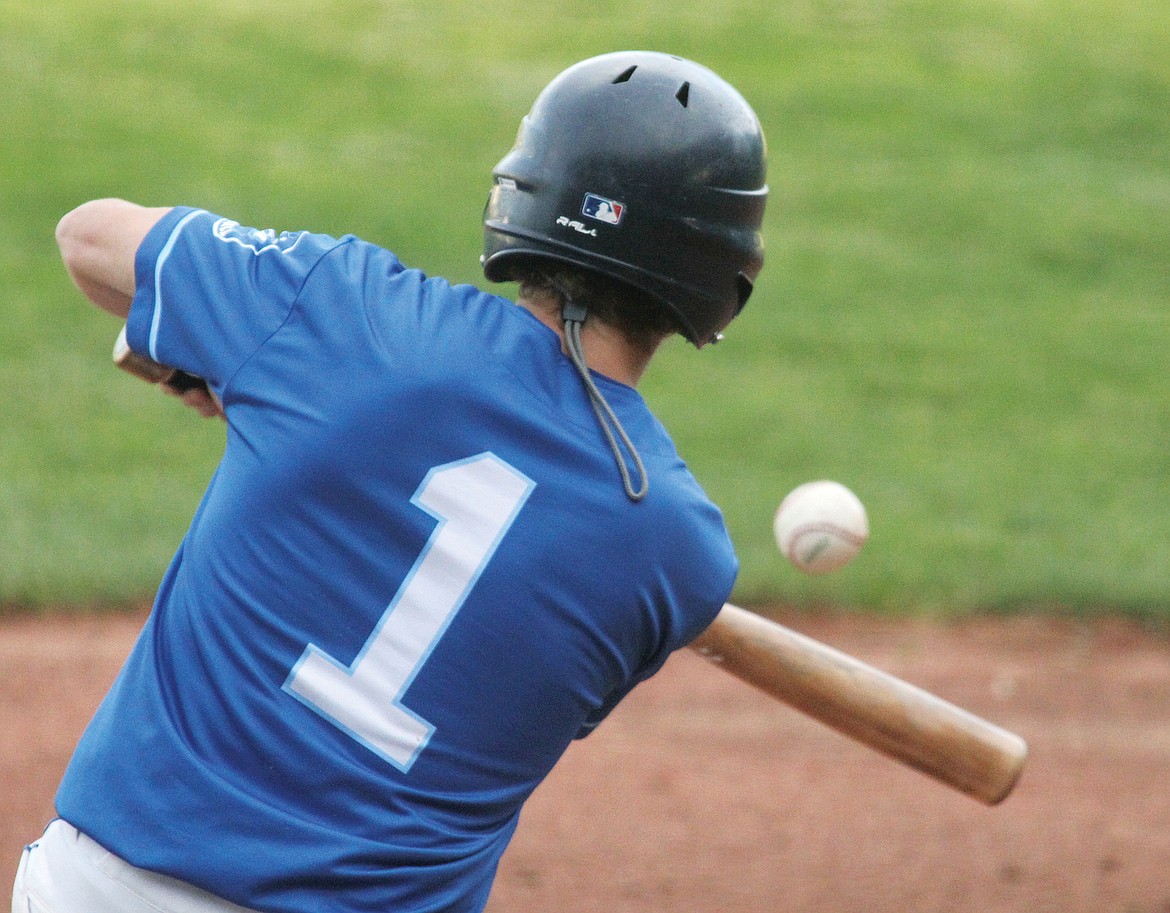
column 700, row 794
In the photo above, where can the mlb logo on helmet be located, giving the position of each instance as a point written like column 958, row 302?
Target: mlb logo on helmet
column 602, row 209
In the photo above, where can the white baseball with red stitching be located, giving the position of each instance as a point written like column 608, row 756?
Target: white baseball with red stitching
column 820, row 526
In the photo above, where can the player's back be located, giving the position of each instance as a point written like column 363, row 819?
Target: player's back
column 415, row 578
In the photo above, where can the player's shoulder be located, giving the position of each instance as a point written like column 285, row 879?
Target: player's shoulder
column 210, row 234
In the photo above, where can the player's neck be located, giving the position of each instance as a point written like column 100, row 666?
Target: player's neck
column 606, row 351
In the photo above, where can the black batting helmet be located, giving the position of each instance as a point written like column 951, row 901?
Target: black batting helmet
column 644, row 167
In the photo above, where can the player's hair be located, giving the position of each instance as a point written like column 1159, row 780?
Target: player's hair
column 639, row 317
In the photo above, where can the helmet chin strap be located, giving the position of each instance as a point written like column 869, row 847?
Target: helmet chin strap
column 574, row 315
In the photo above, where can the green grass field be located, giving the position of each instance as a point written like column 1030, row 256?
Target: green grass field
column 964, row 315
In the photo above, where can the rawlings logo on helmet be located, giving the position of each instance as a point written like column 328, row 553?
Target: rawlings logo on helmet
column 576, row 225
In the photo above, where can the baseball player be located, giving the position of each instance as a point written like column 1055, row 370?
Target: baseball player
column 446, row 536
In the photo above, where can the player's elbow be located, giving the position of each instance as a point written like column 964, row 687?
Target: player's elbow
column 79, row 231
column 98, row 241
column 69, row 236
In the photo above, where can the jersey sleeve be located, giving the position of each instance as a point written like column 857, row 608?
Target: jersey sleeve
column 209, row 291
column 684, row 600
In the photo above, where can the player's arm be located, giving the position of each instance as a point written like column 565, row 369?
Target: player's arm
column 98, row 242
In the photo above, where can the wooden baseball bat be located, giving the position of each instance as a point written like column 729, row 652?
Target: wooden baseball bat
column 875, row 708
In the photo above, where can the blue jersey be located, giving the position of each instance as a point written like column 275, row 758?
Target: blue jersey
column 413, row 580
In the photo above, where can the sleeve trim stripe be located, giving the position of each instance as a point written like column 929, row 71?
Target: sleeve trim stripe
column 158, row 266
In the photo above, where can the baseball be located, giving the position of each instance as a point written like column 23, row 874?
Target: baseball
column 820, row 526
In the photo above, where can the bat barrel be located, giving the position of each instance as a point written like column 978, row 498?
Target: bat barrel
column 882, row 711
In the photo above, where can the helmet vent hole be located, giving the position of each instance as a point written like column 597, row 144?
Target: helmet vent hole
column 625, row 76
column 683, row 93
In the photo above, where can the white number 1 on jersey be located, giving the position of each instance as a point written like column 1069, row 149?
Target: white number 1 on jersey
column 475, row 501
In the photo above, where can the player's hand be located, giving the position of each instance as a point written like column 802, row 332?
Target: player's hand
column 194, row 392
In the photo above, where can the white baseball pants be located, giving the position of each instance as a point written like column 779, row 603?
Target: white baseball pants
column 66, row 872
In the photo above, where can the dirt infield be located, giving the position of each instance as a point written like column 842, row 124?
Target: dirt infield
column 700, row 794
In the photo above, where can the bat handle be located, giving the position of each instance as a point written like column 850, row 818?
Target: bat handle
column 152, row 371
